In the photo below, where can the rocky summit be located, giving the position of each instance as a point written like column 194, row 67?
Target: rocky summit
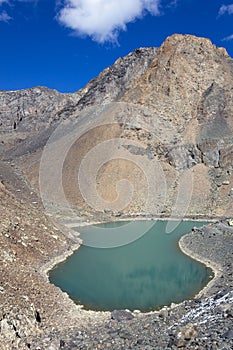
column 168, row 112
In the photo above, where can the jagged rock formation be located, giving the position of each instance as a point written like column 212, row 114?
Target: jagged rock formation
column 175, row 109
column 31, row 109
column 37, row 108
column 186, row 85
column 113, row 83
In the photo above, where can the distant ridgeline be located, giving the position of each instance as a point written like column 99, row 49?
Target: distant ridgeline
column 186, row 84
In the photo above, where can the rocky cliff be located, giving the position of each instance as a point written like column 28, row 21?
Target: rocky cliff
column 169, row 111
column 37, row 108
column 186, row 87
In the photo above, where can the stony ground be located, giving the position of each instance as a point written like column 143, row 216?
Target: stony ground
column 186, row 86
column 37, row 315
column 206, row 322
column 29, row 240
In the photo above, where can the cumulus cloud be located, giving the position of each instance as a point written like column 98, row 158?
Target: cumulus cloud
column 228, row 9
column 103, row 19
column 4, row 17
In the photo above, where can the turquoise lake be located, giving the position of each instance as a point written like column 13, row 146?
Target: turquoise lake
column 146, row 274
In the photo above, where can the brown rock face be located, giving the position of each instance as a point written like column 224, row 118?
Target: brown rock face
column 176, row 110
column 188, row 91
column 189, row 88
column 156, row 139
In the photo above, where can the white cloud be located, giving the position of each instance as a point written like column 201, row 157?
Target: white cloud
column 226, row 9
column 4, row 17
column 103, row 19
column 228, row 38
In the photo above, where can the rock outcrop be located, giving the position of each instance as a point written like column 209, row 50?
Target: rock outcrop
column 181, row 93
column 37, row 108
column 172, row 109
column 31, row 109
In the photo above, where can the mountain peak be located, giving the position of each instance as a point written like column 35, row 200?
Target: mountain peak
column 184, row 42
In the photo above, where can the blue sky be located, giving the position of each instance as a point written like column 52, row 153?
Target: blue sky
column 64, row 44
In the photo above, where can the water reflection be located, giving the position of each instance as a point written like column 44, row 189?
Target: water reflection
column 146, row 274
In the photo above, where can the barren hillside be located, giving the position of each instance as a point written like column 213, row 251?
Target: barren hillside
column 151, row 135
column 173, row 103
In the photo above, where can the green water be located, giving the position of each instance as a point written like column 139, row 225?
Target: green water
column 146, row 274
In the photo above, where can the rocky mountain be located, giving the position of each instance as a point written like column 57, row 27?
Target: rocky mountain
column 185, row 86
column 33, row 114
column 37, row 108
column 161, row 122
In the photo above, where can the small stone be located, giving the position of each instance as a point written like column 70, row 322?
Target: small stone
column 228, row 334
column 163, row 313
column 190, row 332
column 62, row 343
column 52, row 347
column 181, row 343
column 136, row 312
column 121, row 315
column 225, row 183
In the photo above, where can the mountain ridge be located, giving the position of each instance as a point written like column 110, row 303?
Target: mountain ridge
column 186, row 85
column 169, row 108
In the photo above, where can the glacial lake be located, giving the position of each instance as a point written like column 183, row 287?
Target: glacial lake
column 146, row 274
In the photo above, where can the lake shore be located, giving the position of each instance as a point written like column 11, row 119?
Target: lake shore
column 207, row 316
column 49, row 265
column 45, row 268
column 184, row 245
column 135, row 217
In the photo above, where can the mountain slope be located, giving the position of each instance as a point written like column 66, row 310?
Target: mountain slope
column 180, row 111
column 170, row 115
